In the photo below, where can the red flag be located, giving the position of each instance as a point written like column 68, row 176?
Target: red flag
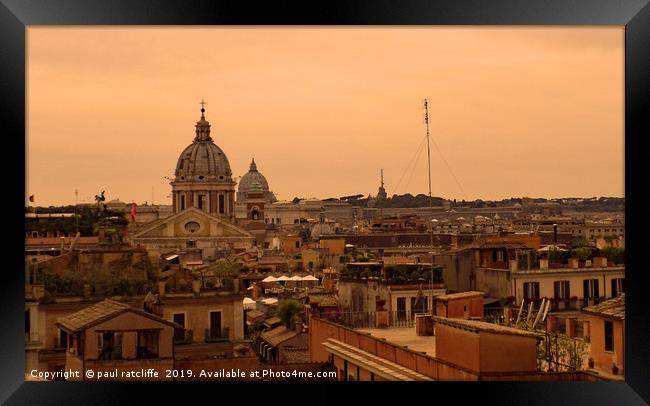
column 133, row 212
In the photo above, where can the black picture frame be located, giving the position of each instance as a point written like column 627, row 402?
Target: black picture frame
column 16, row 15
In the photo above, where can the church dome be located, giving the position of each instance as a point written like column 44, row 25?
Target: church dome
column 254, row 181
column 251, row 177
column 203, row 160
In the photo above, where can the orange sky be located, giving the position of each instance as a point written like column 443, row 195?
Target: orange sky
column 524, row 111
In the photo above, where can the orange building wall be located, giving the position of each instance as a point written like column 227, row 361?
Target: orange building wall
column 457, row 346
column 335, row 246
column 603, row 360
column 455, row 308
column 288, row 245
column 507, row 353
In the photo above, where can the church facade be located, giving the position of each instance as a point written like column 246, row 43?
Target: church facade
column 203, row 204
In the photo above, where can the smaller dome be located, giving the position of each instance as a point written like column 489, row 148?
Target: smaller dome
column 255, row 187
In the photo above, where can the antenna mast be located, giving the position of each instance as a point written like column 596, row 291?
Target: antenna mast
column 426, row 121
column 76, row 203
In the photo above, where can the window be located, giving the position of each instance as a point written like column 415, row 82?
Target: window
column 179, row 318
column 278, row 221
column 531, row 291
column 499, row 256
column 62, row 339
column 590, row 290
column 618, row 286
column 201, row 202
column 147, row 344
column 192, row 226
column 297, row 244
column 421, row 306
column 561, row 289
column 109, row 345
column 222, row 204
column 215, row 325
column 609, row 336
column 182, row 202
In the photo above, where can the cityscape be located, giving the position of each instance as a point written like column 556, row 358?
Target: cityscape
column 227, row 280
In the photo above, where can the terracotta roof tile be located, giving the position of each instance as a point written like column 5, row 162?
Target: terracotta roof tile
column 278, row 335
column 610, row 308
column 92, row 314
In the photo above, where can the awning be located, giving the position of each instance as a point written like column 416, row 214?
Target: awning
column 169, row 258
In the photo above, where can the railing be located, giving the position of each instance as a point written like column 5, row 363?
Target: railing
column 357, row 319
column 215, row 336
column 397, row 318
column 563, row 304
column 183, row 336
column 590, row 301
column 401, row 318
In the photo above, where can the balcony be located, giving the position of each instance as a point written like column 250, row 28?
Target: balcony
column 399, row 318
column 591, row 301
column 217, row 336
column 563, row 304
column 183, row 336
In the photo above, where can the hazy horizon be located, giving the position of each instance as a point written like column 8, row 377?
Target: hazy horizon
column 516, row 111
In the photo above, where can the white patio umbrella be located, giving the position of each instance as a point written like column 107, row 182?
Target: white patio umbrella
column 283, row 278
column 270, row 300
column 310, row 278
column 248, row 303
column 295, row 278
column 270, row 278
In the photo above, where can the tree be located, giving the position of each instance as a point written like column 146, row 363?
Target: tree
column 288, row 311
column 615, row 255
column 583, row 253
column 223, row 271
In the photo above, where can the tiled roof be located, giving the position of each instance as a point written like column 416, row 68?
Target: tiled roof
column 461, row 295
column 253, row 314
column 296, row 355
column 324, row 300
column 610, row 308
column 91, row 315
column 278, row 335
column 102, row 311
